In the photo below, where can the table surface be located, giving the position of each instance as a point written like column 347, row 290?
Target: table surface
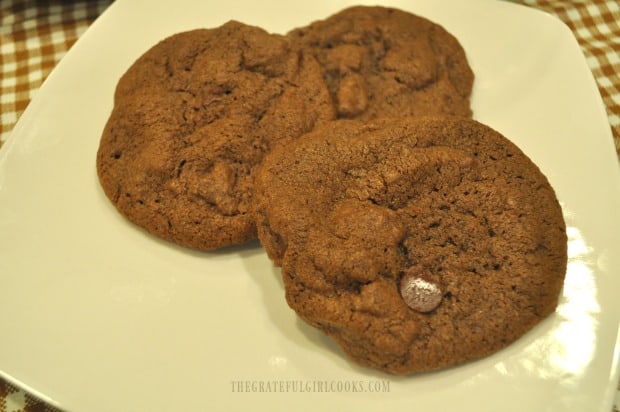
column 35, row 35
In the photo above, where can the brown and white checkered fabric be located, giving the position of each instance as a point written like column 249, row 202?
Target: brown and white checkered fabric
column 34, row 35
column 13, row 399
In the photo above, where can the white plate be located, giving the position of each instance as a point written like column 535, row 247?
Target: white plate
column 99, row 316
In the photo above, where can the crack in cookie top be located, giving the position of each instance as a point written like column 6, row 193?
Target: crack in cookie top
column 416, row 243
column 192, row 119
column 380, row 61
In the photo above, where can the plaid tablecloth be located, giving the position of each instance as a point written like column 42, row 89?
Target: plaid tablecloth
column 35, row 35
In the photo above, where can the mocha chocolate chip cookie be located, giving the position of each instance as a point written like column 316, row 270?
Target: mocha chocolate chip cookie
column 380, row 61
column 192, row 119
column 417, row 244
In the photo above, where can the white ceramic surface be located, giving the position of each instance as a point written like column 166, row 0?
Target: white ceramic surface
column 96, row 315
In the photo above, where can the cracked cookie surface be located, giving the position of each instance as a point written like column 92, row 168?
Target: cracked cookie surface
column 380, row 61
column 192, row 119
column 416, row 244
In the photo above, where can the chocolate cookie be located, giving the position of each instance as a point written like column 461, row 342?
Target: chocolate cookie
column 417, row 244
column 386, row 62
column 192, row 119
